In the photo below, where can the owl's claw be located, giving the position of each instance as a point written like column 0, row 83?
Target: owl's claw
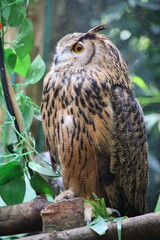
column 68, row 194
column 88, row 212
column 113, row 212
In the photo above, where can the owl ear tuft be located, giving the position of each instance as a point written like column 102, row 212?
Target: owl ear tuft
column 98, row 28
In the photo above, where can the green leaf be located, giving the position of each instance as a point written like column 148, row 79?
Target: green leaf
column 13, row 192
column 17, row 14
column 22, row 65
column 96, row 211
column 9, row 171
column 28, row 113
column 119, row 225
column 7, row 53
column 104, row 209
column 98, row 225
column 99, row 207
column 45, row 170
column 36, row 71
column 13, row 62
column 148, row 100
column 24, row 43
column 119, row 228
column 40, row 185
column 140, row 82
column 6, row 9
column 157, row 208
column 12, row 58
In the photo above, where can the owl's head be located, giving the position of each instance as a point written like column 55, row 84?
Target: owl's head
column 80, row 49
column 90, row 52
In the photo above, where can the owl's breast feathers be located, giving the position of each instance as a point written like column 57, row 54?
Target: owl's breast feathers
column 76, row 114
column 95, row 129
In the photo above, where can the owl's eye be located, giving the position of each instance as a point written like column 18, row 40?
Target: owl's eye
column 78, row 48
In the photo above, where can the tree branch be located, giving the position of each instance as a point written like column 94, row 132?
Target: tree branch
column 142, row 227
column 26, row 218
column 22, row 218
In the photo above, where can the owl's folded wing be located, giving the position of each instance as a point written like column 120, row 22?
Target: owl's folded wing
column 130, row 147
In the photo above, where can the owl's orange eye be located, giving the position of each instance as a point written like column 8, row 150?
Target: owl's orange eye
column 78, row 48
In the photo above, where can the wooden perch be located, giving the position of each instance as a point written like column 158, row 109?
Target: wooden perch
column 26, row 218
column 142, row 227
column 63, row 215
column 22, row 218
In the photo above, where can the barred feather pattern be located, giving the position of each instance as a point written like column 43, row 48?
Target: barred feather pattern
column 94, row 127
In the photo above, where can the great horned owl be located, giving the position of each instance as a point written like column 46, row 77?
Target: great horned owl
column 93, row 124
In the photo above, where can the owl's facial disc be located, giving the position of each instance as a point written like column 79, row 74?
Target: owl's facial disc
column 74, row 52
column 68, row 53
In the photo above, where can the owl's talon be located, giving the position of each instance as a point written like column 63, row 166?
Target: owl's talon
column 68, row 194
column 88, row 212
column 113, row 212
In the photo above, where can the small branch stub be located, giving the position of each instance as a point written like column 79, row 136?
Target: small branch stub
column 66, row 214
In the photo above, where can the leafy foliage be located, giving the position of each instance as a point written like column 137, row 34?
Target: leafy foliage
column 15, row 152
column 40, row 185
column 99, row 226
column 99, row 207
column 101, row 215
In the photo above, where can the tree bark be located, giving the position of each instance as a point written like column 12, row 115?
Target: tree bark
column 63, row 215
column 22, row 218
column 26, row 217
column 142, row 227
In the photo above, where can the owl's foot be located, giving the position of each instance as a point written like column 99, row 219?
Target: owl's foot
column 68, row 194
column 88, row 212
column 112, row 212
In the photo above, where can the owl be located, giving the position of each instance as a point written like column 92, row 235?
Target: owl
column 93, row 124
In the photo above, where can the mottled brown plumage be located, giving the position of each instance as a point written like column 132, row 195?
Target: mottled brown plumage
column 93, row 124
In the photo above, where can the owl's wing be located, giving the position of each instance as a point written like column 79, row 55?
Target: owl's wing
column 128, row 160
column 47, row 119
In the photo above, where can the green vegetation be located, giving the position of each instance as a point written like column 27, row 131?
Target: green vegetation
column 18, row 147
column 100, row 213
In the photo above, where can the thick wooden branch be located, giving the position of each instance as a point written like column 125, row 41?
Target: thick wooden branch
column 67, row 214
column 22, row 218
column 142, row 227
column 26, row 217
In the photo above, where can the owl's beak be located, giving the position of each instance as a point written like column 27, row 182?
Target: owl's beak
column 61, row 58
column 56, row 59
